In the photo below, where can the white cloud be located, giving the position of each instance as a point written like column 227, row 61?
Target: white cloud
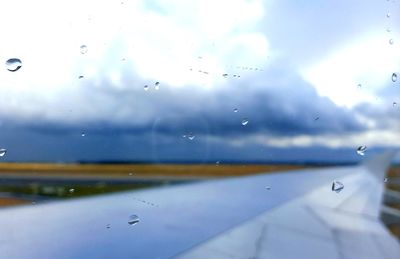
column 370, row 62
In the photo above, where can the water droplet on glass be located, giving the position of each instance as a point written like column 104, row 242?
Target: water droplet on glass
column 191, row 136
column 80, row 77
column 316, row 118
column 268, row 188
column 225, row 75
column 361, row 150
column 156, row 83
column 83, row 134
column 72, row 190
column 133, row 220
column 245, row 121
column 391, row 41
column 394, row 77
column 388, row 15
column 385, row 180
column 157, row 87
column 337, row 186
column 235, row 110
column 394, row 104
column 184, row 136
column 359, row 85
column 84, row 49
column 146, row 87
column 388, row 30
column 3, row 151
column 108, row 226
column 13, row 64
column 130, row 174
column 217, row 163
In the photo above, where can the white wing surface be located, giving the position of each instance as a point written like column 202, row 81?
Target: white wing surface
column 285, row 215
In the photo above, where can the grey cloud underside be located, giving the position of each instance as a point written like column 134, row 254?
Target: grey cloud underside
column 276, row 102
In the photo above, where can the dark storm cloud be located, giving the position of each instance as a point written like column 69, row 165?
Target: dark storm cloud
column 276, row 102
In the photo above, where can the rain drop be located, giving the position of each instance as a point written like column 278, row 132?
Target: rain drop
column 84, row 49
column 80, row 77
column 83, row 134
column 72, row 190
column 225, row 75
column 217, row 163
column 108, row 226
column 191, row 136
column 337, row 186
column 361, row 150
column 394, row 77
column 385, row 180
column 268, row 188
column 13, row 64
column 146, row 87
column 130, row 174
column 388, row 15
column 156, row 83
column 3, row 151
column 235, row 110
column 316, row 118
column 133, row 220
column 394, row 104
column 359, row 85
column 245, row 121
column 391, row 41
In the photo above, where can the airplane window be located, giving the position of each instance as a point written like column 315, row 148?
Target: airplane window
column 101, row 98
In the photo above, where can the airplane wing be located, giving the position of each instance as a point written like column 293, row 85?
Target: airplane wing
column 285, row 215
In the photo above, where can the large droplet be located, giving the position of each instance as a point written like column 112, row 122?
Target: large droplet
column 191, row 136
column 84, row 49
column 133, row 220
column 361, row 150
column 337, row 186
column 13, row 64
column 245, row 121
column 394, row 77
column 3, row 151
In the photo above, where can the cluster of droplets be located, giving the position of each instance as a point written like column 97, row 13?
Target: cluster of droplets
column 156, row 86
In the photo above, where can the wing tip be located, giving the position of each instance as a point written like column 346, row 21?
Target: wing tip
column 379, row 164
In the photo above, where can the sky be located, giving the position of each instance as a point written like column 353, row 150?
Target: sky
column 176, row 80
